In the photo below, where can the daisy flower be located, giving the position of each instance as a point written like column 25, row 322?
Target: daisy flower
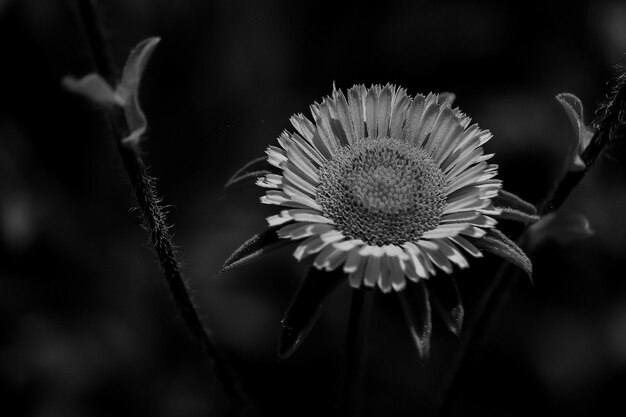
column 384, row 191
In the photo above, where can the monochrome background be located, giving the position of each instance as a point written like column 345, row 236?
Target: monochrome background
column 87, row 327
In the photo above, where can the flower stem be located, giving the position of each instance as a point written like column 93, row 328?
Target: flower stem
column 354, row 363
column 154, row 220
column 610, row 125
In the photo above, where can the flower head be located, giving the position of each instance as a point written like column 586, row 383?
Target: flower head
column 384, row 190
column 384, row 186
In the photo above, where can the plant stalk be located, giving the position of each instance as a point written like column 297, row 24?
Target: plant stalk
column 610, row 125
column 354, row 360
column 154, row 219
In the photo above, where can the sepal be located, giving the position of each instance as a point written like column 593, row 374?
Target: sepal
column 498, row 244
column 305, row 308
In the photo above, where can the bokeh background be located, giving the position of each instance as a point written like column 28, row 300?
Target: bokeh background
column 87, row 327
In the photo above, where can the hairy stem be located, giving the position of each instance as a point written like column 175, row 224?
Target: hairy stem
column 610, row 126
column 360, row 307
column 153, row 217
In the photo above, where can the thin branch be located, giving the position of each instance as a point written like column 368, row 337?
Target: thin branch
column 354, row 364
column 153, row 216
column 610, row 126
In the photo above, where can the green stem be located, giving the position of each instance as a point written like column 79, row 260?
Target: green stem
column 610, row 126
column 354, row 363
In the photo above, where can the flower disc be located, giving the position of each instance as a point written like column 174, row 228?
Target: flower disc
column 382, row 191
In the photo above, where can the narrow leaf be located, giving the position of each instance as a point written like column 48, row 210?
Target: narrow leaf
column 574, row 109
column 250, row 172
column 305, row 308
column 128, row 89
column 516, row 215
column 446, row 299
column 498, row 244
column 417, row 312
column 257, row 245
column 510, row 200
column 93, row 87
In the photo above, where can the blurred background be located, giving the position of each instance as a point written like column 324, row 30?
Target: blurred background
column 87, row 326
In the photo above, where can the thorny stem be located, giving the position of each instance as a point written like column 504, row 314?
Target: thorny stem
column 354, row 363
column 610, row 125
column 153, row 217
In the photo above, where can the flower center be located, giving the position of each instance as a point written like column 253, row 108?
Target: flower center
column 383, row 191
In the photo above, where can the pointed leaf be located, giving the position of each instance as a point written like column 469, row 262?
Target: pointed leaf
column 250, row 172
column 583, row 133
column 516, row 215
column 128, row 90
column 446, row 299
column 257, row 245
column 510, row 200
column 93, row 87
column 305, row 308
column 498, row 244
column 562, row 227
column 417, row 312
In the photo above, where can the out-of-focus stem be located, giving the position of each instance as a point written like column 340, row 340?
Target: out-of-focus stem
column 354, row 364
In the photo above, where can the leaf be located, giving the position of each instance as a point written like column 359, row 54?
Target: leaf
column 498, row 244
column 446, row 299
column 250, row 171
column 417, row 312
column 128, row 89
column 510, row 200
column 257, row 245
column 93, row 87
column 516, row 215
column 305, row 308
column 574, row 109
column 562, row 227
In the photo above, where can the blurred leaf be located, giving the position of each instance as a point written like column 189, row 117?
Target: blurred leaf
column 574, row 109
column 446, row 298
column 562, row 227
column 126, row 94
column 92, row 87
column 128, row 89
column 257, row 245
column 417, row 312
column 498, row 244
column 305, row 308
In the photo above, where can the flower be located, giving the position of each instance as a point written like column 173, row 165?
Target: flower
column 385, row 191
column 385, row 186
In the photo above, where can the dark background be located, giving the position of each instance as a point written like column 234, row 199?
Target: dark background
column 87, row 327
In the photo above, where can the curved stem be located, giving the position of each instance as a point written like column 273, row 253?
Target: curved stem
column 154, row 220
column 610, row 125
column 360, row 307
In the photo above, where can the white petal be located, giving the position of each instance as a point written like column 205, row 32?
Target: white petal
column 297, row 231
column 372, row 269
column 445, row 230
column 356, row 100
column 465, row 244
column 383, row 111
column 343, row 112
column 371, row 101
column 435, row 256
column 452, row 253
